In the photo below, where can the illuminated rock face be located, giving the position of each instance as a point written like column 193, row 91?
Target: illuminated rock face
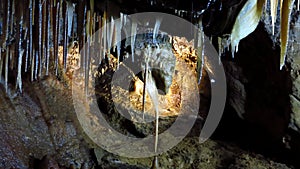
column 159, row 55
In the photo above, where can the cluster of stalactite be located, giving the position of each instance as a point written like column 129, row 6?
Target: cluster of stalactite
column 249, row 17
column 30, row 36
column 31, row 32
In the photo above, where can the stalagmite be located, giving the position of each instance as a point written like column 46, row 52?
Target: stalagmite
column 155, row 164
column 133, row 37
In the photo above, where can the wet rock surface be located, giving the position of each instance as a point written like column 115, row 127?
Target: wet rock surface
column 40, row 122
column 210, row 155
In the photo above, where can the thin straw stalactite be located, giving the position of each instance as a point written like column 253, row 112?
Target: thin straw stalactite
column 49, row 20
column 56, row 37
column 39, row 56
column 65, row 35
column 7, row 45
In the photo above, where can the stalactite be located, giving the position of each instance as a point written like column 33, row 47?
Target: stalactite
column 65, row 35
column 152, row 91
column 104, row 34
column 246, row 22
column 94, row 27
column 87, row 52
column 6, row 68
column 220, row 48
column 32, row 65
column 274, row 5
column 44, row 42
column 12, row 33
column 57, row 32
column 285, row 26
column 145, row 80
column 156, row 28
column 27, row 55
column 50, row 28
column 1, row 64
column 200, row 50
column 114, row 37
column 40, row 39
column 87, row 67
column 21, row 51
column 133, row 37
column 100, row 34
column 70, row 12
column 88, row 24
column 37, row 59
column 31, row 15
column 83, row 55
column 125, row 19
column 118, row 29
column 7, row 45
column 110, row 32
